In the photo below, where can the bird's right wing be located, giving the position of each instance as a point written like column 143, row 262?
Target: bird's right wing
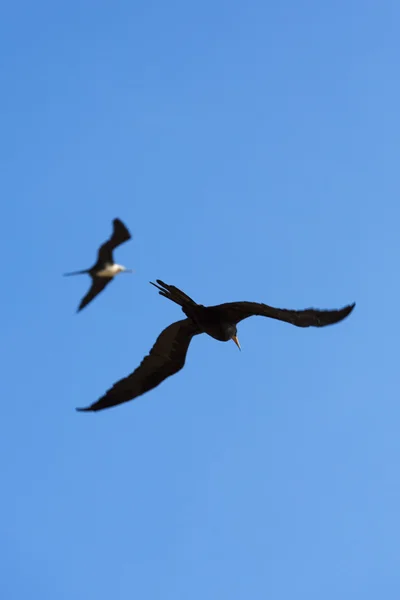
column 234, row 312
column 166, row 358
column 98, row 285
column 119, row 235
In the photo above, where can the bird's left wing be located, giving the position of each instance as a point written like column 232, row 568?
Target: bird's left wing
column 166, row 358
column 119, row 235
column 98, row 285
column 234, row 312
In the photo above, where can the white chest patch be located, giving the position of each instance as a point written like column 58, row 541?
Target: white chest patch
column 109, row 271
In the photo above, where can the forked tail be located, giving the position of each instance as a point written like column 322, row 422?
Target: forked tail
column 173, row 293
column 76, row 273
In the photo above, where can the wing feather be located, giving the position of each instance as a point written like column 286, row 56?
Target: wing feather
column 119, row 235
column 234, row 312
column 98, row 285
column 166, row 358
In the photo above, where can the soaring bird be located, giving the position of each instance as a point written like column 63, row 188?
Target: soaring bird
column 168, row 354
column 105, row 269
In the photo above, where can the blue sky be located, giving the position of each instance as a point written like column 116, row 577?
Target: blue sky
column 252, row 149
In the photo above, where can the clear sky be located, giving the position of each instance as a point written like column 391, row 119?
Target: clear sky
column 252, row 148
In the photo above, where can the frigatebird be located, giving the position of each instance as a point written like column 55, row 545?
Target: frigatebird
column 105, row 269
column 168, row 354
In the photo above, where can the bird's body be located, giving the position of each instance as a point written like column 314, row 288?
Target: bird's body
column 110, row 270
column 105, row 269
column 208, row 320
column 168, row 354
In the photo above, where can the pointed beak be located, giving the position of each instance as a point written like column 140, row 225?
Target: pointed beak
column 234, row 338
column 128, row 271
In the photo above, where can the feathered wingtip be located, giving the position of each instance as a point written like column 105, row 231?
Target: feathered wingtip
column 345, row 311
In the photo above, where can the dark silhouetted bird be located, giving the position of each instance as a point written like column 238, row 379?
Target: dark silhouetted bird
column 168, row 354
column 105, row 269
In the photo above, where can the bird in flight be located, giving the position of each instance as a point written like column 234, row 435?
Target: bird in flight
column 105, row 269
column 168, row 354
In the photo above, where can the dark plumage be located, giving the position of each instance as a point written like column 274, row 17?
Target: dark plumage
column 168, row 354
column 104, row 270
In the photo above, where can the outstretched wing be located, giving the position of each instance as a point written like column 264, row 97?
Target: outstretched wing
column 234, row 312
column 119, row 235
column 166, row 358
column 98, row 285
